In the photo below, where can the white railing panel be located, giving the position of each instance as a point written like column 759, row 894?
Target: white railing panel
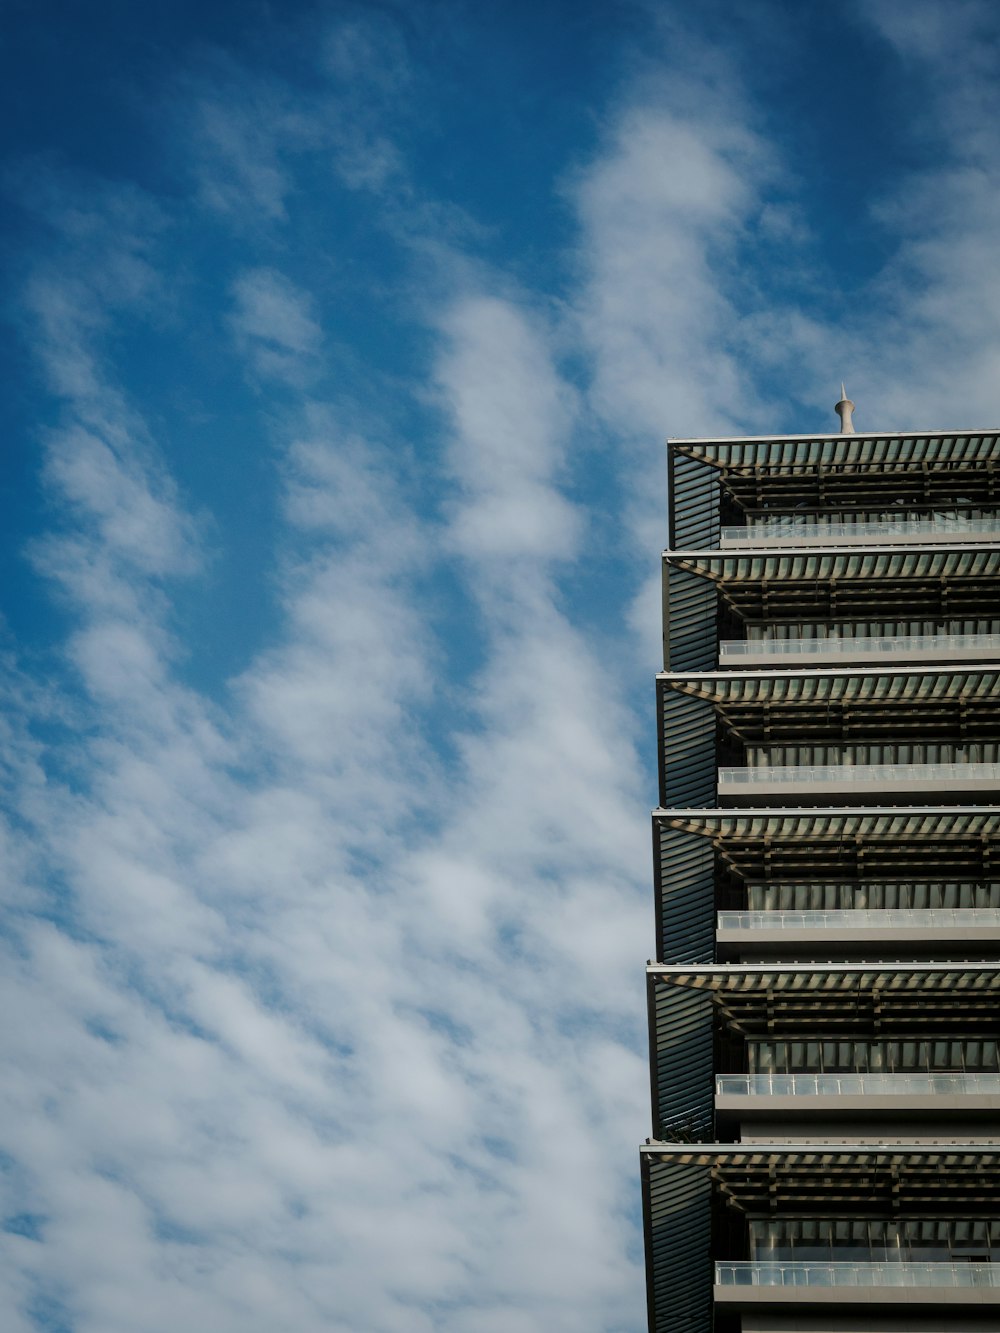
column 885, row 918
column 851, row 775
column 856, row 1085
column 905, row 1273
column 785, row 532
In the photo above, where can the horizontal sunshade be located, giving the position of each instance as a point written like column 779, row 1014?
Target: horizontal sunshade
column 887, row 844
column 820, row 1001
column 891, row 563
column 790, row 453
column 858, row 685
column 838, row 1156
column 832, row 978
column 893, row 706
column 836, row 825
column 785, row 1178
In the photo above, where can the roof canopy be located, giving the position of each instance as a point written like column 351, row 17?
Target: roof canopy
column 789, row 453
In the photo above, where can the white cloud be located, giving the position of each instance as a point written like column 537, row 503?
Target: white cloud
column 310, row 1038
column 919, row 342
column 662, row 210
column 512, row 418
column 239, row 134
column 663, row 306
column 938, row 350
column 333, row 1018
column 274, row 326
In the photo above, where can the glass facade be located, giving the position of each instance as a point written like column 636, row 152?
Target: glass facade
column 853, row 646
column 783, row 896
column 822, row 1239
column 831, row 1056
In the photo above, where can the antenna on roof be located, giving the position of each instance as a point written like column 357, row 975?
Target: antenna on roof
column 843, row 410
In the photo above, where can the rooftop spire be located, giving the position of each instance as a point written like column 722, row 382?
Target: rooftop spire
column 843, row 410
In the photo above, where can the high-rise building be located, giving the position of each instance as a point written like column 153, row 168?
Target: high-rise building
column 825, row 1004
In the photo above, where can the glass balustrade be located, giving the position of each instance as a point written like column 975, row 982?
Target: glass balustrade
column 856, row 1085
column 886, row 918
column 857, row 1274
column 931, row 645
column 800, row 533
column 853, row 775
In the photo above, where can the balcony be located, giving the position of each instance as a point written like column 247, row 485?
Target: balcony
column 790, row 532
column 916, row 1083
column 902, row 1095
column 929, row 930
column 846, row 1282
column 811, row 783
column 865, row 919
column 858, row 651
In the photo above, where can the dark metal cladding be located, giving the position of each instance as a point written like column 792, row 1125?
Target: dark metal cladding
column 682, row 1039
column 687, row 761
column 685, row 900
column 690, row 635
column 694, row 502
column 678, row 1207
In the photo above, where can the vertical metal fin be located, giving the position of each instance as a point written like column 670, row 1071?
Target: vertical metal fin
column 679, row 1266
column 683, row 1083
column 687, row 750
column 691, row 632
column 694, row 504
column 685, row 897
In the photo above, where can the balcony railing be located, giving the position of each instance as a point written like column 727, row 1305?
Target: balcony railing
column 789, row 532
column 857, row 1274
column 873, row 918
column 852, row 776
column 877, row 1083
column 853, row 647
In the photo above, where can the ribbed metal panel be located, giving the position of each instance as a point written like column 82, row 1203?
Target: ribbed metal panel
column 777, row 453
column 843, row 1001
column 872, row 684
column 827, row 845
column 681, row 1048
column 694, row 503
column 687, row 750
column 813, row 1179
column 834, row 586
column 678, row 1197
column 846, row 824
column 685, row 896
column 872, row 716
column 889, row 563
column 690, row 632
column 678, row 1223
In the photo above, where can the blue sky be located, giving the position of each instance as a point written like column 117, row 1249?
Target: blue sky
column 344, row 340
